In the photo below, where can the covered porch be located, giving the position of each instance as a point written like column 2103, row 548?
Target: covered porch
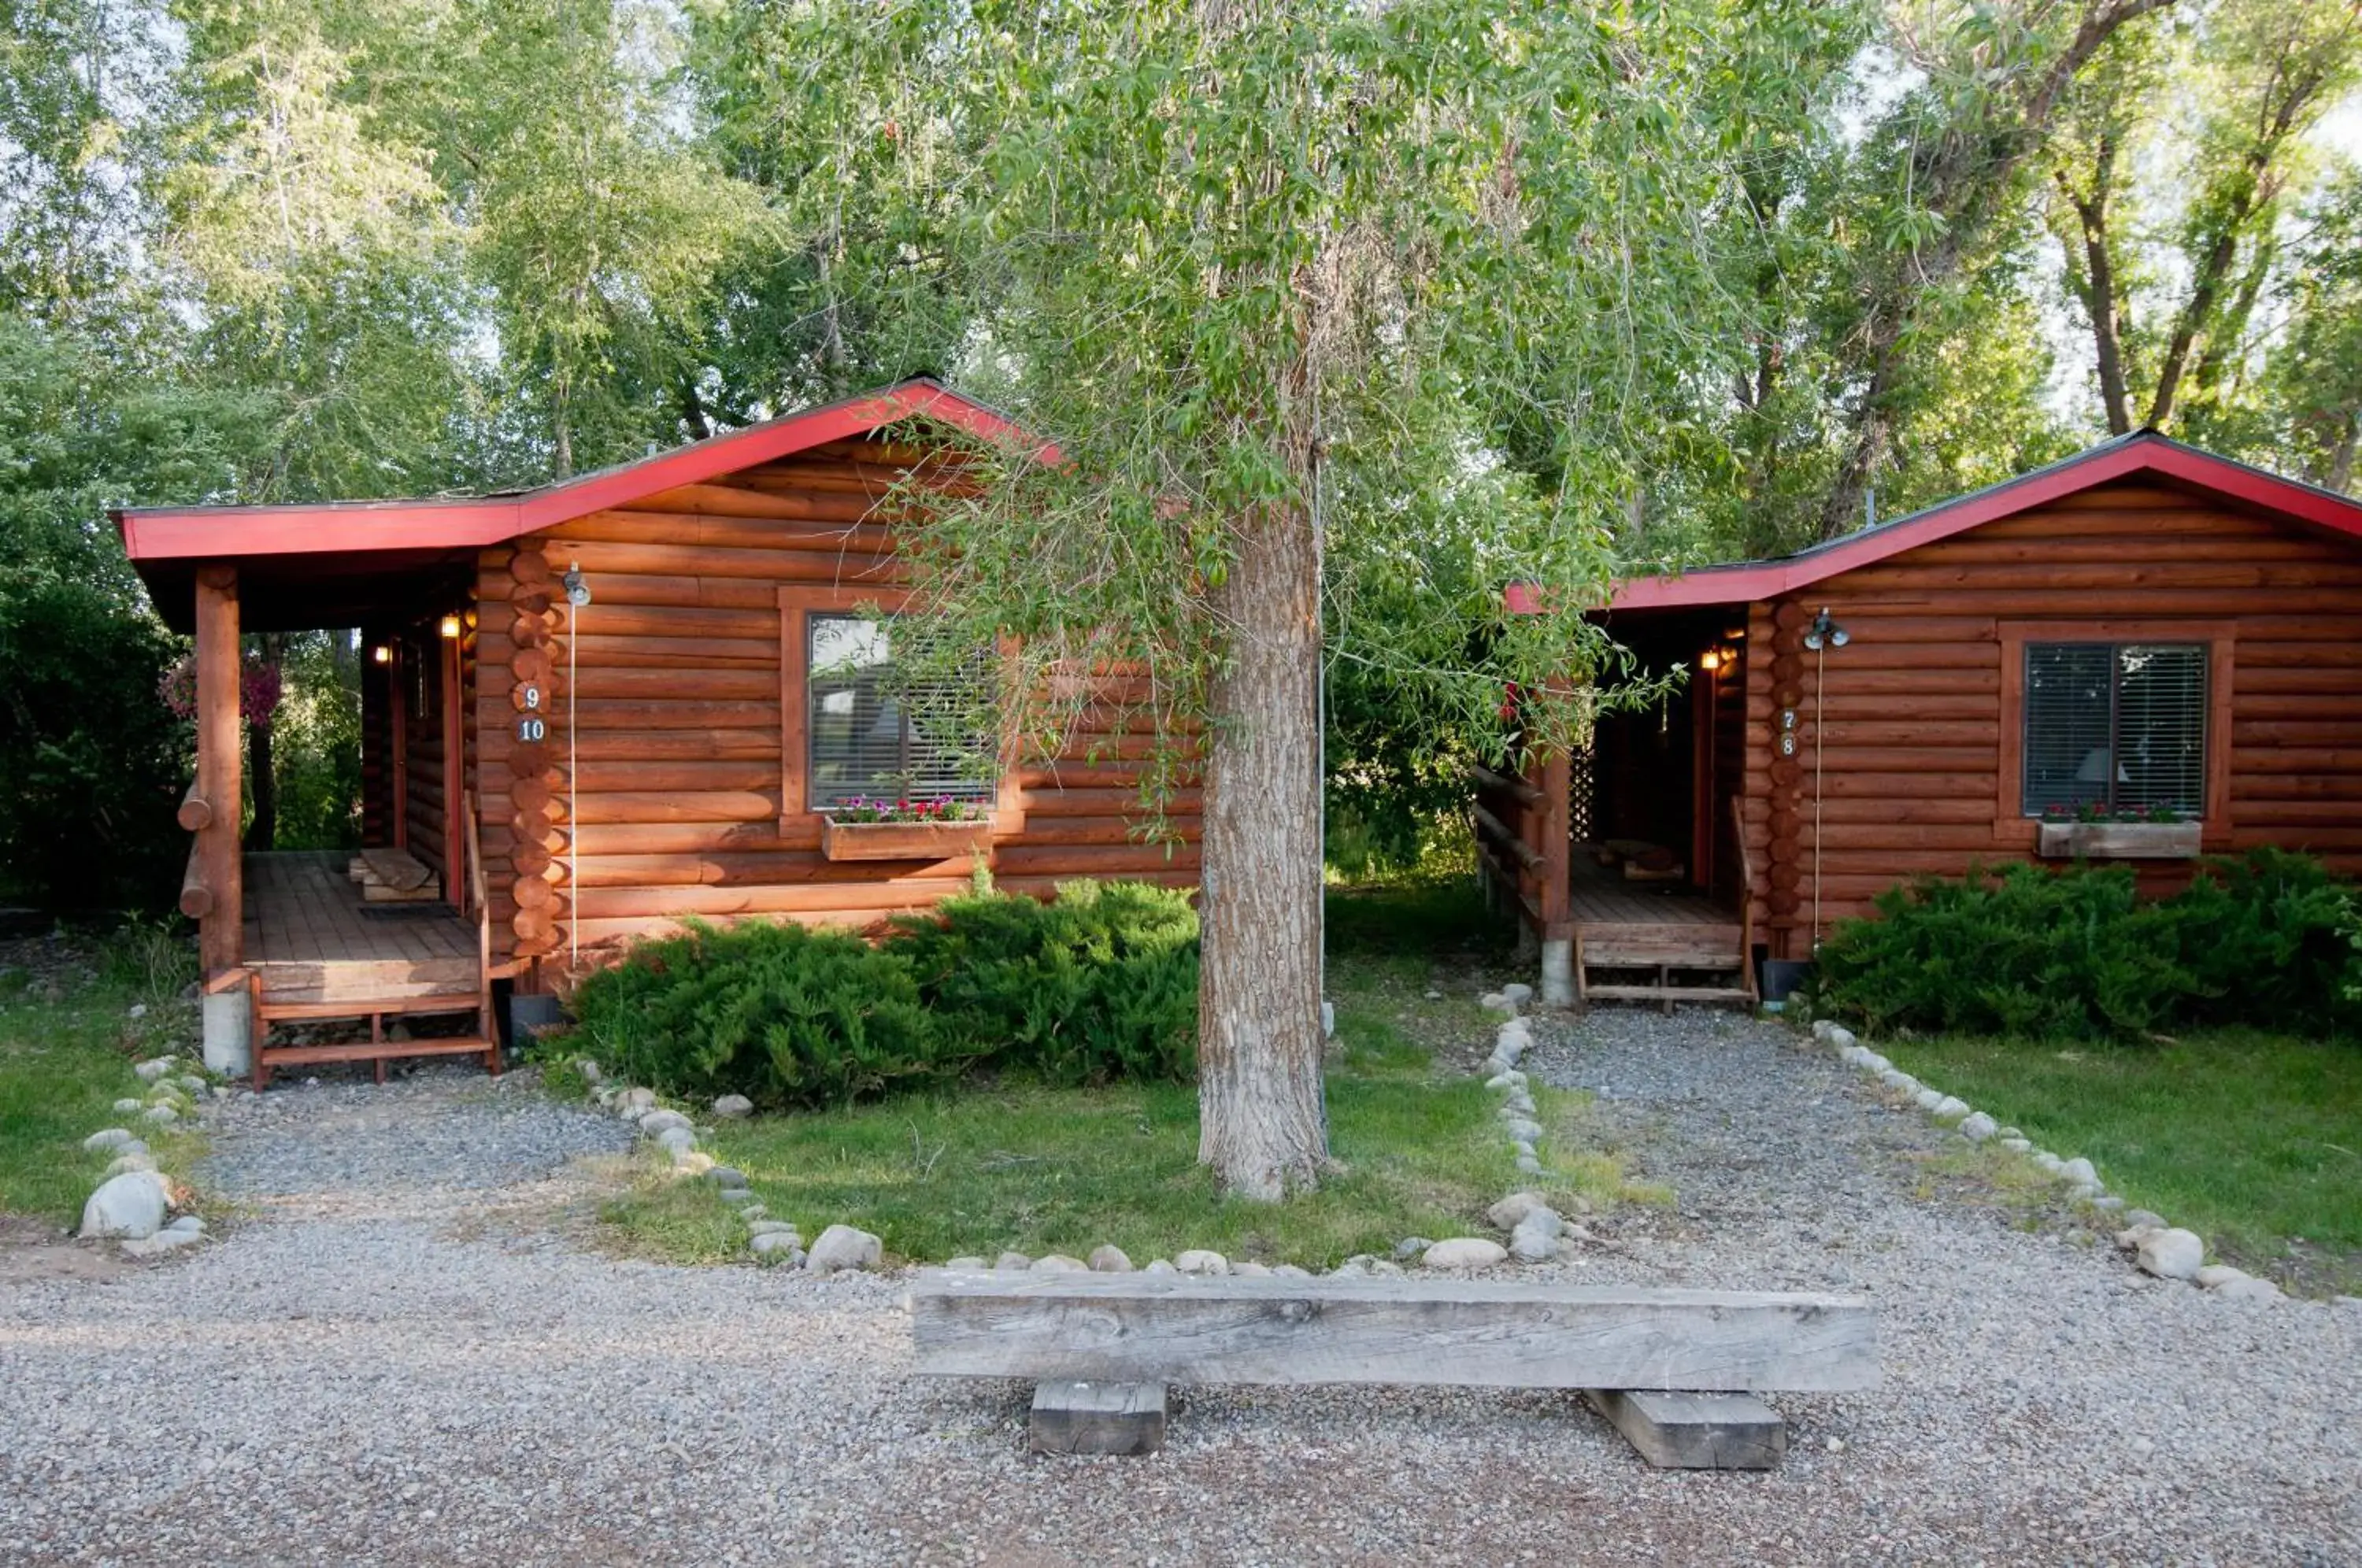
column 304, row 940
column 1626, row 866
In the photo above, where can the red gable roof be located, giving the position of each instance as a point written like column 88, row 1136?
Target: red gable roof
column 2142, row 453
column 190, row 533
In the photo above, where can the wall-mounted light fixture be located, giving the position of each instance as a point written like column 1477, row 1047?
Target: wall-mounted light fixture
column 381, row 654
column 450, row 626
column 1825, row 633
column 577, row 593
column 1710, row 660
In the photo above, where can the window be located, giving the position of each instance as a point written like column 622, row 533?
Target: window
column 2120, row 726
column 875, row 726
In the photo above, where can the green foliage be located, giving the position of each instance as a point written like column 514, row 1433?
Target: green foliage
column 2075, row 954
column 316, row 743
column 1099, row 984
column 92, row 765
column 784, row 1015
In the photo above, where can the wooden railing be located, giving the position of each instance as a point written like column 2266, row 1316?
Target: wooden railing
column 1746, row 897
column 481, row 904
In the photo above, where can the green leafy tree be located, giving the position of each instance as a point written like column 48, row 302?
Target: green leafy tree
column 1275, row 275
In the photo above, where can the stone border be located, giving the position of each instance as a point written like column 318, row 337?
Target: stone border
column 2166, row 1250
column 132, row 1200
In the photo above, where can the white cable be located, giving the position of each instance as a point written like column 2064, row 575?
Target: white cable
column 1820, row 729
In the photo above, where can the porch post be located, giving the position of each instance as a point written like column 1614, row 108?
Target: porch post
column 221, row 782
column 1558, row 925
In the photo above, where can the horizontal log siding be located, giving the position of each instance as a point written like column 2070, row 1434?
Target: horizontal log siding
column 676, row 809
column 1910, row 779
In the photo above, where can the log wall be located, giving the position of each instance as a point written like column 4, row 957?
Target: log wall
column 1915, row 756
column 674, row 802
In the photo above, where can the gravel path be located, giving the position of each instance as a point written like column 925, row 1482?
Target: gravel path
column 400, row 1358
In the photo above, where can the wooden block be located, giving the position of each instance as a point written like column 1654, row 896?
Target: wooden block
column 1178, row 1328
column 1097, row 1418
column 1695, row 1431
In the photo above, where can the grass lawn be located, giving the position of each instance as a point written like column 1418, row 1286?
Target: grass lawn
column 2254, row 1140
column 67, row 1042
column 1039, row 1170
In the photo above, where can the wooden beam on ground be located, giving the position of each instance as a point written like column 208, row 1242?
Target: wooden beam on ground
column 1097, row 1418
column 1695, row 1431
column 1470, row 1333
column 220, row 762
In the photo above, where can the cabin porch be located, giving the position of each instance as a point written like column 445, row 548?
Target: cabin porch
column 1627, row 864
column 317, row 949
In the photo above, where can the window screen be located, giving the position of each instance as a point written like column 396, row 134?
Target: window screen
column 876, row 728
column 2120, row 726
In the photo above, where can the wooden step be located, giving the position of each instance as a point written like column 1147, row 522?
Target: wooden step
column 440, row 1001
column 1667, row 993
column 1669, row 946
column 369, row 1050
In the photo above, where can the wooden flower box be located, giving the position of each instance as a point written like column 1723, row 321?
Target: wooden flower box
column 2119, row 841
column 903, row 841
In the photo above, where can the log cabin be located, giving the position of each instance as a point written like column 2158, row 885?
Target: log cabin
column 595, row 707
column 2143, row 652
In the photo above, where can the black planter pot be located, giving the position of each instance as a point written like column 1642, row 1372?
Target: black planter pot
column 1781, row 977
column 528, row 1016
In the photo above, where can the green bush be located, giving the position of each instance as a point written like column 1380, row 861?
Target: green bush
column 2268, row 938
column 1099, row 984
column 2075, row 954
column 783, row 1015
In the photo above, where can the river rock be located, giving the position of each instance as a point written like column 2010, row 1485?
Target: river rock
column 1512, row 1079
column 966, row 1262
column 1465, row 1252
column 1977, row 1126
column 128, row 1206
column 635, row 1101
column 162, row 1241
column 1012, row 1262
column 1196, row 1260
column 1247, row 1268
column 129, row 1107
column 655, row 1122
column 734, row 1106
column 2173, row 1253
column 1528, row 1164
column 1948, row 1107
column 771, row 1228
column 2140, row 1219
column 2216, row 1275
column 108, row 1138
column 1059, row 1262
column 2248, row 1290
column 121, row 1162
column 1159, row 1266
column 842, row 1247
column 1536, row 1238
column 1506, row 1214
column 2078, row 1171
column 153, row 1068
column 780, row 1245
column 1523, row 1130
column 1109, row 1259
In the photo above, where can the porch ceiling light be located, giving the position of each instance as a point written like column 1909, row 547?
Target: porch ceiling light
column 381, row 654
column 450, row 627
column 1710, row 660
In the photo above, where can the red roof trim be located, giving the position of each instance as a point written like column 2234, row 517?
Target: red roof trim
column 1749, row 581
column 212, row 532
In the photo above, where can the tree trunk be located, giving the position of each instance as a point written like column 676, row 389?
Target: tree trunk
column 2100, row 303
column 2341, row 460
column 1263, row 1125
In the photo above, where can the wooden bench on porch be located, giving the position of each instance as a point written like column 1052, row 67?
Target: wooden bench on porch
column 1676, row 1371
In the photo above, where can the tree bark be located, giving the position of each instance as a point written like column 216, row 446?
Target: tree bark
column 2101, row 304
column 1263, row 1125
column 1965, row 175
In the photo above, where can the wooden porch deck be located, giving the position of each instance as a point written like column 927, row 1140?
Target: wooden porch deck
column 1597, row 895
column 312, row 939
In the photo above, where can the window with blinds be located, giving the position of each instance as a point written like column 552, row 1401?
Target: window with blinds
column 899, row 728
column 2116, row 726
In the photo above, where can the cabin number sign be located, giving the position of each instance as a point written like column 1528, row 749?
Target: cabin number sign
column 531, row 726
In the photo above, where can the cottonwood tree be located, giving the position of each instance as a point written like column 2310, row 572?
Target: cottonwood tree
column 1995, row 77
column 2169, row 269
column 1273, row 276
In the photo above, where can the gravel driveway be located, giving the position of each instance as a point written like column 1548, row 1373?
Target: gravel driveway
column 400, row 1358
